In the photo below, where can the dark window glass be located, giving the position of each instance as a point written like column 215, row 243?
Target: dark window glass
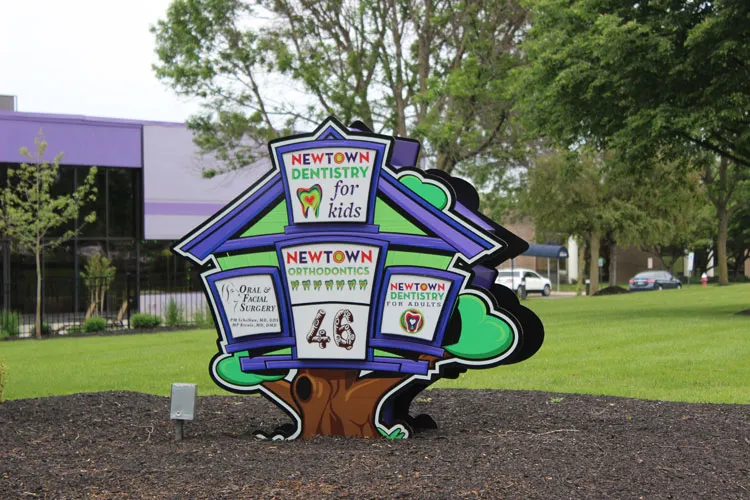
column 121, row 202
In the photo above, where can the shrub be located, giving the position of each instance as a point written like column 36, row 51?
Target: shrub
column 144, row 320
column 203, row 319
column 46, row 330
column 173, row 315
column 94, row 324
column 3, row 373
column 9, row 323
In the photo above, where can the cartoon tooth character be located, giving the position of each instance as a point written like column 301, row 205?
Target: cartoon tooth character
column 329, row 285
column 295, row 284
column 340, row 284
column 316, row 284
column 306, row 284
column 352, row 284
column 362, row 284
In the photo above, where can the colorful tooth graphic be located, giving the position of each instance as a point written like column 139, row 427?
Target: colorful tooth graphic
column 306, row 284
column 295, row 284
column 340, row 284
column 362, row 284
column 329, row 284
column 310, row 199
column 352, row 284
column 316, row 284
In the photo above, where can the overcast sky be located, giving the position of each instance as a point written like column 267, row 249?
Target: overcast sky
column 87, row 57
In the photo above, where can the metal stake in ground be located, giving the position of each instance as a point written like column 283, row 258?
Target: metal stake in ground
column 182, row 406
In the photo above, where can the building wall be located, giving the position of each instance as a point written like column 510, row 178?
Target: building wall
column 176, row 196
column 523, row 229
column 83, row 141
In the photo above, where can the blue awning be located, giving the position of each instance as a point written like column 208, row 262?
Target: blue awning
column 549, row 251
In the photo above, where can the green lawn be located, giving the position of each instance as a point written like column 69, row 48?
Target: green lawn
column 680, row 345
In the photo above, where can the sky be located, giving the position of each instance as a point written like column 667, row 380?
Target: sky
column 85, row 57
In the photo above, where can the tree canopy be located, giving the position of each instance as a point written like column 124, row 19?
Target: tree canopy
column 647, row 79
column 435, row 70
column 638, row 76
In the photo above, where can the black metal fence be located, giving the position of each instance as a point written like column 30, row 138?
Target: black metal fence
column 67, row 303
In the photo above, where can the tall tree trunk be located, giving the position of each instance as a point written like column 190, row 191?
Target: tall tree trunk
column 581, row 265
column 613, row 264
column 721, row 243
column 38, row 315
column 594, row 264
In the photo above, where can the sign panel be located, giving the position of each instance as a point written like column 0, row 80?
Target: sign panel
column 346, row 280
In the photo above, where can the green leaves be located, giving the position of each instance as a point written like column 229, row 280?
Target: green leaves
column 483, row 335
column 229, row 370
column 30, row 211
column 434, row 195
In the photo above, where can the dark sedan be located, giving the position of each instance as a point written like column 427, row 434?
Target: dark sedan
column 653, row 280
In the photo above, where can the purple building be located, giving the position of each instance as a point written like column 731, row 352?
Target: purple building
column 150, row 192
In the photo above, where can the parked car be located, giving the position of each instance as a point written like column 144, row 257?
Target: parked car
column 533, row 281
column 653, row 280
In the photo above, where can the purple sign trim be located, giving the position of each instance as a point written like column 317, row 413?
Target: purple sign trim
column 223, row 229
column 331, row 139
column 378, row 364
column 463, row 241
column 469, row 215
column 395, row 239
column 406, row 345
column 259, row 340
column 275, row 341
column 450, row 299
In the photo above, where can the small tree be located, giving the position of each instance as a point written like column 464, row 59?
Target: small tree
column 98, row 276
column 30, row 211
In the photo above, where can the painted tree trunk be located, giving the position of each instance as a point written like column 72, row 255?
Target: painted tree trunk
column 334, row 402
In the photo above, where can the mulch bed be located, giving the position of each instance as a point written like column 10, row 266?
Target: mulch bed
column 490, row 444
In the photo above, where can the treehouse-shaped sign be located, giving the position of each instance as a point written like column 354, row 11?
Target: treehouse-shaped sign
column 345, row 281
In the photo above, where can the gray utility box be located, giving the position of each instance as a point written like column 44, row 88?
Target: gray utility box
column 183, row 401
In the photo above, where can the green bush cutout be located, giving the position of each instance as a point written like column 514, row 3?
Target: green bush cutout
column 144, row 320
column 95, row 324
column 483, row 336
column 9, row 323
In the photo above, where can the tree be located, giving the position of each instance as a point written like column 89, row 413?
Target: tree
column 98, row 276
column 434, row 70
column 598, row 197
column 643, row 78
column 30, row 211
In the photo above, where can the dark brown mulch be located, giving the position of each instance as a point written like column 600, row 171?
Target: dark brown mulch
column 611, row 290
column 491, row 444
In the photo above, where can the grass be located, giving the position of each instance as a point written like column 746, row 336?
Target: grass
column 678, row 345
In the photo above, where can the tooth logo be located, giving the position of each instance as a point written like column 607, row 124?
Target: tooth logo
column 310, row 199
column 412, row 321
